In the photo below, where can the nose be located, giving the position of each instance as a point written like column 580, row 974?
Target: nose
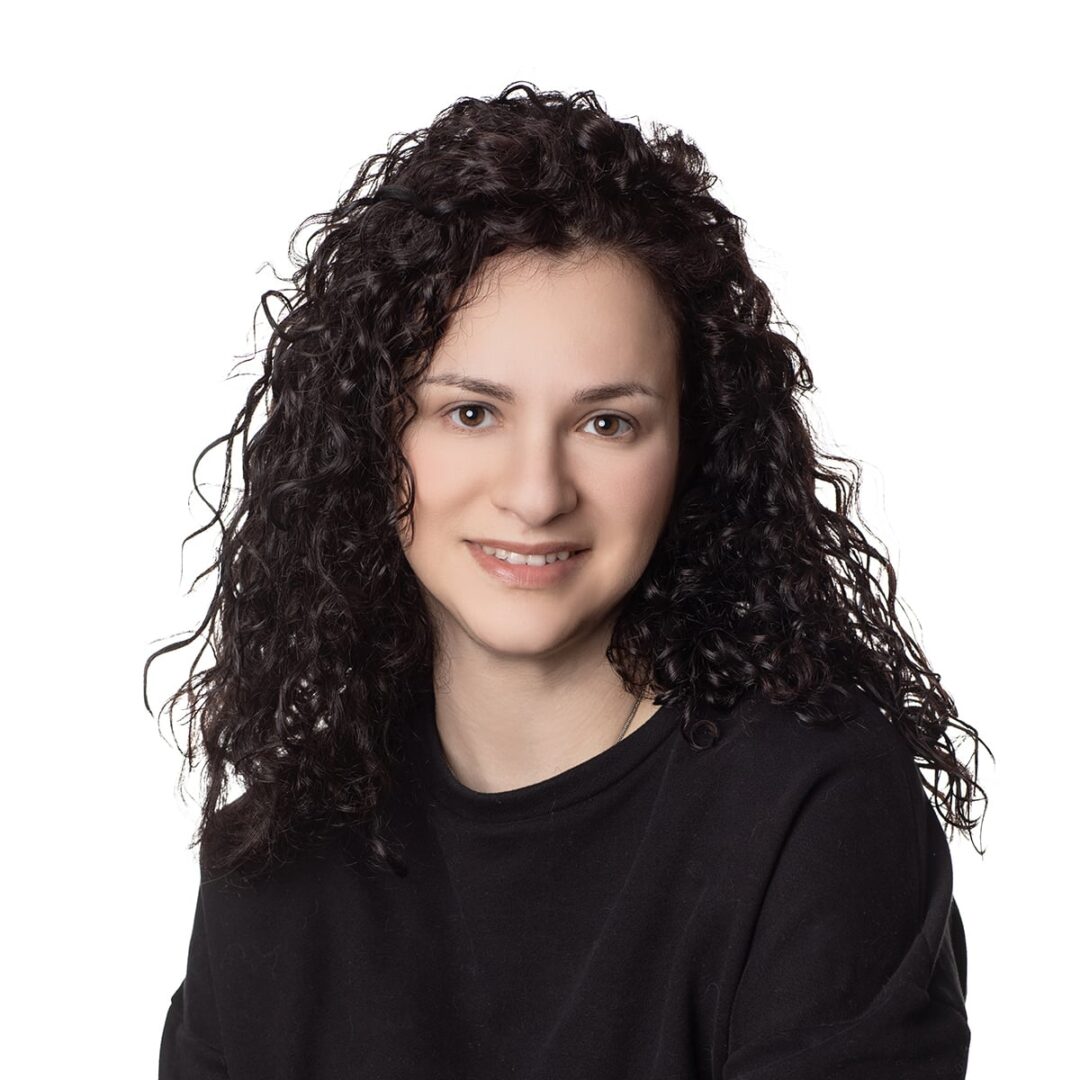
column 535, row 480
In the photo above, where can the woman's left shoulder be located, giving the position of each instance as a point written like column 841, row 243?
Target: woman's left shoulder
column 845, row 724
column 776, row 754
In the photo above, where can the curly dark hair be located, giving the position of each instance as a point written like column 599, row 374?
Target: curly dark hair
column 318, row 628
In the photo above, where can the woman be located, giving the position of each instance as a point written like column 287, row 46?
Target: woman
column 575, row 736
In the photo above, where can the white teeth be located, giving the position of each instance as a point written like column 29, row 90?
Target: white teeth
column 525, row 560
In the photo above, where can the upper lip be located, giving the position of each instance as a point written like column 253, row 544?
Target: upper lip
column 532, row 549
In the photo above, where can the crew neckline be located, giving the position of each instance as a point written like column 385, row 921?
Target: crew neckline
column 581, row 781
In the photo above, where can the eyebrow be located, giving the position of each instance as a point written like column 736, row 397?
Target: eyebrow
column 603, row 392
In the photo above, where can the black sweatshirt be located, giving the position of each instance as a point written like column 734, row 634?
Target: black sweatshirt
column 776, row 906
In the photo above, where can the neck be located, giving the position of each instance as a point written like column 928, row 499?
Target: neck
column 499, row 734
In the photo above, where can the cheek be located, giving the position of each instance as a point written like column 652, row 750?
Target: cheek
column 441, row 484
column 636, row 493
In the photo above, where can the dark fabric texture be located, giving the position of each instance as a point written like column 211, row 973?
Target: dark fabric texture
column 776, row 906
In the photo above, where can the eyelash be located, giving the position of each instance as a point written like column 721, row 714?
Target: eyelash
column 478, row 405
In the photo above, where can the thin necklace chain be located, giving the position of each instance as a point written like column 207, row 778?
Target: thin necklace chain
column 626, row 726
column 622, row 734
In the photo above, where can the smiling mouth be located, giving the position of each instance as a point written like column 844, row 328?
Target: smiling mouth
column 532, row 572
column 522, row 558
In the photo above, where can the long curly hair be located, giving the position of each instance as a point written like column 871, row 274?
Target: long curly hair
column 318, row 628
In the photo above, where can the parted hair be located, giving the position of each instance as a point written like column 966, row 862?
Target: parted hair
column 760, row 583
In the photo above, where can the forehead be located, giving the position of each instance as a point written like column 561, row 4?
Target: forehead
column 534, row 307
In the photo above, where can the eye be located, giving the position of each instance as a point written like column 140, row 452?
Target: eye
column 609, row 417
column 472, row 407
column 476, row 409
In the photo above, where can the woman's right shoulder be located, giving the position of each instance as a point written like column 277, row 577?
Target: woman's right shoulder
column 227, row 869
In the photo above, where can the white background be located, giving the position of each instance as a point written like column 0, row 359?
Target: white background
column 906, row 176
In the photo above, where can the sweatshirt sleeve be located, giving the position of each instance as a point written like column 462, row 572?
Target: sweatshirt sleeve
column 191, row 1038
column 856, row 969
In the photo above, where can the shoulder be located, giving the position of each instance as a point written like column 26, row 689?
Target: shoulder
column 846, row 729
column 282, row 869
column 771, row 760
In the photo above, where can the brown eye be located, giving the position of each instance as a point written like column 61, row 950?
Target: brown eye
column 473, row 409
column 611, row 423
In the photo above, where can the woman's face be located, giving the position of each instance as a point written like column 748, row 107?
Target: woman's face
column 520, row 455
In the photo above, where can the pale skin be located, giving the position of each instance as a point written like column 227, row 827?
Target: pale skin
column 523, row 690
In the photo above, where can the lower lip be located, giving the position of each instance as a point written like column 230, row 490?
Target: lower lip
column 527, row 577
